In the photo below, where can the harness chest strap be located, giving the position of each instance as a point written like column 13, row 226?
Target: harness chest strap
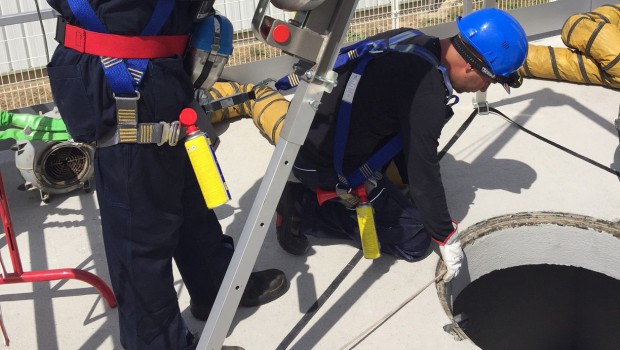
column 130, row 131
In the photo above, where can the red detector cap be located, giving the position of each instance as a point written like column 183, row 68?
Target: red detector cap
column 188, row 119
column 281, row 34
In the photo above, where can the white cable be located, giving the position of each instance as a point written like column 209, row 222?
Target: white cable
column 353, row 343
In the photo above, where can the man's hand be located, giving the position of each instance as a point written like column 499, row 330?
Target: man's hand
column 452, row 254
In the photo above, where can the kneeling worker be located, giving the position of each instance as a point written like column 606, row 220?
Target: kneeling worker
column 395, row 103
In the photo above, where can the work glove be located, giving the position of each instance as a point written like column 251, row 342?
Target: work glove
column 451, row 253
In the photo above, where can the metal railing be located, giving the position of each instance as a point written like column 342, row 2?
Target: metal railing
column 26, row 35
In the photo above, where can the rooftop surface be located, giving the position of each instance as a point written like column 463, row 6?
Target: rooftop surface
column 493, row 169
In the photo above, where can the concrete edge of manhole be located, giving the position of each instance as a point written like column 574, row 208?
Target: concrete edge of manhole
column 516, row 221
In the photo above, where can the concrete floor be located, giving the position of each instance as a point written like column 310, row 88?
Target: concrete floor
column 493, row 169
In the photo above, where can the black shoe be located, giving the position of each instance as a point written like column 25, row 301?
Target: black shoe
column 288, row 220
column 264, row 287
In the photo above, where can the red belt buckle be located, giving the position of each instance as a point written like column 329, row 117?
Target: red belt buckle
column 75, row 38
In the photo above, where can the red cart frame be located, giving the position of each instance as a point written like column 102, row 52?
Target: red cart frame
column 19, row 275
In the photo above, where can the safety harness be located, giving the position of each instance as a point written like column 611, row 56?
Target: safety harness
column 395, row 144
column 124, row 60
column 362, row 53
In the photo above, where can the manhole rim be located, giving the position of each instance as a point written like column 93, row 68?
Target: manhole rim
column 503, row 222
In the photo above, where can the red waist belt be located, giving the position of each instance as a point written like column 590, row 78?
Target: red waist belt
column 120, row 46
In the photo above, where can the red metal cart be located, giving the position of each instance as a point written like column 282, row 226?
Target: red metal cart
column 19, row 275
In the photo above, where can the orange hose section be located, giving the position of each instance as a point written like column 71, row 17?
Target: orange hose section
column 596, row 34
column 593, row 52
column 267, row 110
column 569, row 66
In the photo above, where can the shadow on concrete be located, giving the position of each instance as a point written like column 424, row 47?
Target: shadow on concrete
column 42, row 224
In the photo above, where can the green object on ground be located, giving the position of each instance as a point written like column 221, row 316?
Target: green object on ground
column 34, row 127
column 19, row 134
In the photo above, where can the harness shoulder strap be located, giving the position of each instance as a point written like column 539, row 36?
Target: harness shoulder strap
column 394, row 145
column 124, row 76
column 352, row 52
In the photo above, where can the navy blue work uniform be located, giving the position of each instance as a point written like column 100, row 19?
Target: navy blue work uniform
column 398, row 93
column 151, row 206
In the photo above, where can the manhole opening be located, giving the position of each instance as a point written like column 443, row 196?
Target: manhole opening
column 537, row 281
column 541, row 307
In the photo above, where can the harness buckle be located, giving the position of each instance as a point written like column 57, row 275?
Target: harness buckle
column 165, row 133
column 127, row 109
column 347, row 196
column 170, row 133
column 127, row 117
column 174, row 132
column 374, row 49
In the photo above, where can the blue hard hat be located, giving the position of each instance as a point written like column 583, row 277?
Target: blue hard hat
column 497, row 37
column 215, row 29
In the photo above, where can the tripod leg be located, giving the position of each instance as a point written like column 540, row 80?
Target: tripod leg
column 294, row 131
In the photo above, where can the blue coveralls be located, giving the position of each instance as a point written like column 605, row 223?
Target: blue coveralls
column 151, row 207
column 400, row 230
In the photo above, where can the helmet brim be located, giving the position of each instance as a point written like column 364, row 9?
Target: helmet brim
column 474, row 58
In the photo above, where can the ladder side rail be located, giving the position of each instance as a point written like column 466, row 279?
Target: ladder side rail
column 294, row 131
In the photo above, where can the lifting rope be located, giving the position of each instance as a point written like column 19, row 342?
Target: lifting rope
column 554, row 144
column 467, row 122
column 368, row 331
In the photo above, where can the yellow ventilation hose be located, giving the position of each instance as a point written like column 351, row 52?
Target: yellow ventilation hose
column 267, row 110
column 593, row 52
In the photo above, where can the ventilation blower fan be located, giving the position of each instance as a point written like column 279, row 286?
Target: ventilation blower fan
column 54, row 167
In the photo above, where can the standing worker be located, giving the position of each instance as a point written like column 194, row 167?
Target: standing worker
column 393, row 101
column 119, row 81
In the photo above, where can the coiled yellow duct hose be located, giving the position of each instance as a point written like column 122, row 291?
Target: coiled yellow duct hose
column 593, row 52
column 267, row 110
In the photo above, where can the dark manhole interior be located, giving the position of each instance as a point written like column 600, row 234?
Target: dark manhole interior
column 541, row 307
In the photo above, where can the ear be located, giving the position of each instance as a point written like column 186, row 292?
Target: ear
column 468, row 68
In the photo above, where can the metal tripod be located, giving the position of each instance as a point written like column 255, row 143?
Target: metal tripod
column 315, row 38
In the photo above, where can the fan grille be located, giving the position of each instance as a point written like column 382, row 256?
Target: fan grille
column 65, row 165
